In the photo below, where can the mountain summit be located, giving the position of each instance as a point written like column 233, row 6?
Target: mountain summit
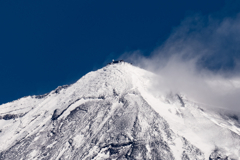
column 113, row 113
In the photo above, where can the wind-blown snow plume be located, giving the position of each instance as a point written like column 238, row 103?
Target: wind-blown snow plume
column 201, row 59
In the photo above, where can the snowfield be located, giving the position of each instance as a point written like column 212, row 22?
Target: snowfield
column 113, row 113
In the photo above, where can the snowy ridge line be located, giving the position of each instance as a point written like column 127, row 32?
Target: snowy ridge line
column 55, row 91
column 204, row 104
column 56, row 115
column 14, row 110
column 217, row 120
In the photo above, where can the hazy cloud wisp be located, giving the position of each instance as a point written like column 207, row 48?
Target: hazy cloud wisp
column 199, row 59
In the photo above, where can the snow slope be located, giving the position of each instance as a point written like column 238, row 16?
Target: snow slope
column 112, row 113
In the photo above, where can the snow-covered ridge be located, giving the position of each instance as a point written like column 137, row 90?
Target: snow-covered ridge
column 117, row 90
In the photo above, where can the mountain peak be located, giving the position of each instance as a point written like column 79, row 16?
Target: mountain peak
column 112, row 113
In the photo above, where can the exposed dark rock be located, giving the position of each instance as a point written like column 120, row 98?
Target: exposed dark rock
column 181, row 100
column 115, row 93
column 41, row 96
column 9, row 116
column 185, row 156
column 218, row 154
column 57, row 113
column 59, row 88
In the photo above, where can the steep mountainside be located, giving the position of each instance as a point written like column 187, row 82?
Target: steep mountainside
column 112, row 114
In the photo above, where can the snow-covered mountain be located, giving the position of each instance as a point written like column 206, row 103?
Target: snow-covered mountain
column 112, row 113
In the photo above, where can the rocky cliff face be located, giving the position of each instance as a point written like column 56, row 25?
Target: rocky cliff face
column 109, row 114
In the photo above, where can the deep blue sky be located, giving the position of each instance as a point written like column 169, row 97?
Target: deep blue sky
column 47, row 43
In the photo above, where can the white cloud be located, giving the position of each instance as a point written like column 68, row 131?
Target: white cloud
column 200, row 59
